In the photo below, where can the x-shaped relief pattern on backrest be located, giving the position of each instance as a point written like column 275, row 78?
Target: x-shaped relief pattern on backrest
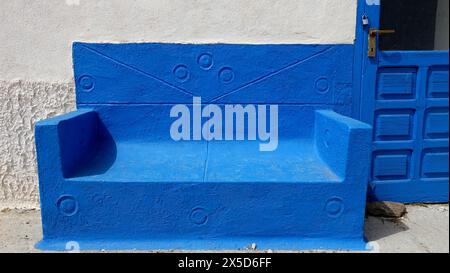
column 219, row 73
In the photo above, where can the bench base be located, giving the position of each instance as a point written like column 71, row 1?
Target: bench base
column 183, row 215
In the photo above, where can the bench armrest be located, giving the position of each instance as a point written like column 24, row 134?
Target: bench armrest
column 344, row 144
column 63, row 142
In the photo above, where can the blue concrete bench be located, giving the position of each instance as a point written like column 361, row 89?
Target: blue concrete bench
column 112, row 177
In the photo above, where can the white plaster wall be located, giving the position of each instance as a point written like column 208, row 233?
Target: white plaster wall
column 35, row 53
column 36, row 35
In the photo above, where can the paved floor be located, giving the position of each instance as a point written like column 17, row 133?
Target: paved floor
column 424, row 229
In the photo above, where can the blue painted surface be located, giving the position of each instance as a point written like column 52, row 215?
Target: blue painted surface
column 112, row 178
column 405, row 98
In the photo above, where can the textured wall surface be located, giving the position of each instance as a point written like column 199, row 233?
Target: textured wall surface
column 35, row 53
column 22, row 104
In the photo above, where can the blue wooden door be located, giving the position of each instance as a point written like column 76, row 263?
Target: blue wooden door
column 404, row 95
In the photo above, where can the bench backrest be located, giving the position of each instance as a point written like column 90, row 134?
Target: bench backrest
column 151, row 76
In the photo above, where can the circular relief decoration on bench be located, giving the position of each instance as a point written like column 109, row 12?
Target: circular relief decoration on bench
column 322, row 85
column 86, row 83
column 334, row 206
column 181, row 72
column 67, row 205
column 205, row 61
column 226, row 74
column 199, row 216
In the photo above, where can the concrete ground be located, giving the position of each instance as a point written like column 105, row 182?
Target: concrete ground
column 425, row 228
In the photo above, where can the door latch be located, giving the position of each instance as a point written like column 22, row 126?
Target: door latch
column 373, row 36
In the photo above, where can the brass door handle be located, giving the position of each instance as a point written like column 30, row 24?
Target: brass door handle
column 373, row 35
column 381, row 31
